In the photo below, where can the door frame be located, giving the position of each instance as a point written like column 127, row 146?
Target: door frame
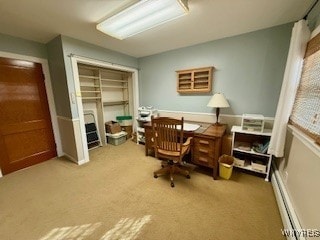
column 49, row 92
column 77, row 95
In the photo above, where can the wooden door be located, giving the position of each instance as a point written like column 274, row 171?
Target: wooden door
column 26, row 135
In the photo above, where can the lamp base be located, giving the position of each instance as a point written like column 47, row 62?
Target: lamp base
column 217, row 116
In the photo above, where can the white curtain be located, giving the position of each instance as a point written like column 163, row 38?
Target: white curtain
column 299, row 38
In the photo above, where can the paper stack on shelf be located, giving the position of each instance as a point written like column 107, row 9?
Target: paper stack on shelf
column 243, row 146
column 260, row 147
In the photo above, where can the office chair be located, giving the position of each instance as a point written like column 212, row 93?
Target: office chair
column 168, row 144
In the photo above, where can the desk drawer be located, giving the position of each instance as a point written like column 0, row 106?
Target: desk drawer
column 203, row 160
column 204, row 145
column 203, row 151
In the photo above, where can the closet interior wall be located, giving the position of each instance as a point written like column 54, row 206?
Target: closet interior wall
column 107, row 93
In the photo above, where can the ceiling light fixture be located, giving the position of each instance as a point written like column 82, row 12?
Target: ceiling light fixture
column 142, row 16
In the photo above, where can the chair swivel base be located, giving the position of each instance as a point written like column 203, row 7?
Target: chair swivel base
column 171, row 169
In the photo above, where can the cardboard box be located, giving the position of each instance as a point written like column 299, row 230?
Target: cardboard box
column 128, row 130
column 112, row 127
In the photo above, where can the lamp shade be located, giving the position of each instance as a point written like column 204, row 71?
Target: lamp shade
column 142, row 16
column 218, row 101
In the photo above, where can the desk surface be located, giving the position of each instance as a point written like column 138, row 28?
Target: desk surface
column 203, row 126
column 215, row 130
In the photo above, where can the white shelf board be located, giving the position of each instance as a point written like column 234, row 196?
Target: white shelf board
column 249, row 167
column 251, row 152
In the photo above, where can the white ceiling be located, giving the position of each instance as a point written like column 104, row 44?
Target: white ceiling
column 42, row 20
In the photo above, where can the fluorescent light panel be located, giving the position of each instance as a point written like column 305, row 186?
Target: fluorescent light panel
column 142, row 16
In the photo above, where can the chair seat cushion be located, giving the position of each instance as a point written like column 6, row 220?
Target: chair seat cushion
column 184, row 150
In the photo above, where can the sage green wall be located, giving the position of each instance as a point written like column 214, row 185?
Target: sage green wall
column 249, row 70
column 22, row 46
column 314, row 17
column 80, row 48
column 59, row 51
column 59, row 78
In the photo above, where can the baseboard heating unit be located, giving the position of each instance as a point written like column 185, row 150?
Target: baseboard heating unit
column 290, row 221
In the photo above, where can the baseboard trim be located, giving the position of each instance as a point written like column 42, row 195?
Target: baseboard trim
column 70, row 158
column 289, row 218
column 80, row 162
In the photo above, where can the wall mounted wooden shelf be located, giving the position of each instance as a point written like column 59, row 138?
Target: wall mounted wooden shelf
column 197, row 80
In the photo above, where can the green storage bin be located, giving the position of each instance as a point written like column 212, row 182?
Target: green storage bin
column 124, row 120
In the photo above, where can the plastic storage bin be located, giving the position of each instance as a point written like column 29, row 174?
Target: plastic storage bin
column 117, row 138
column 252, row 122
column 258, row 166
column 225, row 166
column 239, row 162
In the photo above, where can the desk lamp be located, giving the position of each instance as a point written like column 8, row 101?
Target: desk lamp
column 218, row 101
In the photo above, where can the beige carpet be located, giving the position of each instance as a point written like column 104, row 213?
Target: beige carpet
column 115, row 196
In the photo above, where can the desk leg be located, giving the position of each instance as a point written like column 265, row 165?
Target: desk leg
column 146, row 149
column 215, row 172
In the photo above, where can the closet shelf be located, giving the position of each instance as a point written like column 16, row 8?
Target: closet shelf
column 85, row 85
column 91, row 98
column 113, row 80
column 89, row 77
column 114, row 103
column 90, row 91
column 119, row 87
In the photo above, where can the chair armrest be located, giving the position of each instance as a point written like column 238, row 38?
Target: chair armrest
column 187, row 142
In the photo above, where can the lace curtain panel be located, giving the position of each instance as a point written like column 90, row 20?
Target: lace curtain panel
column 299, row 38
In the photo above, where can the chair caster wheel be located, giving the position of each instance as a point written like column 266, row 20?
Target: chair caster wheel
column 155, row 176
column 172, row 184
column 188, row 176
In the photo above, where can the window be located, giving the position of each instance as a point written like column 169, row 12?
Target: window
column 306, row 109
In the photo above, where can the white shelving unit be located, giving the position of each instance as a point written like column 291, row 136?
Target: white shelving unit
column 105, row 92
column 141, row 132
column 250, row 159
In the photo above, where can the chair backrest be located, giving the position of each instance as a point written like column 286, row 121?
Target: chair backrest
column 167, row 135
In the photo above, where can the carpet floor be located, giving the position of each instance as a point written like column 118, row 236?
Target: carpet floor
column 115, row 196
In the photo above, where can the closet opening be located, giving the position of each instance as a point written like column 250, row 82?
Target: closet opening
column 103, row 92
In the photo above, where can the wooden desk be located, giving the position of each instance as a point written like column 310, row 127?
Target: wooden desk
column 206, row 144
column 206, row 148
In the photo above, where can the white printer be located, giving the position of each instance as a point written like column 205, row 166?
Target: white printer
column 145, row 113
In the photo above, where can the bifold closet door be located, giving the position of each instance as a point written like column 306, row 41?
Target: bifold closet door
column 26, row 135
